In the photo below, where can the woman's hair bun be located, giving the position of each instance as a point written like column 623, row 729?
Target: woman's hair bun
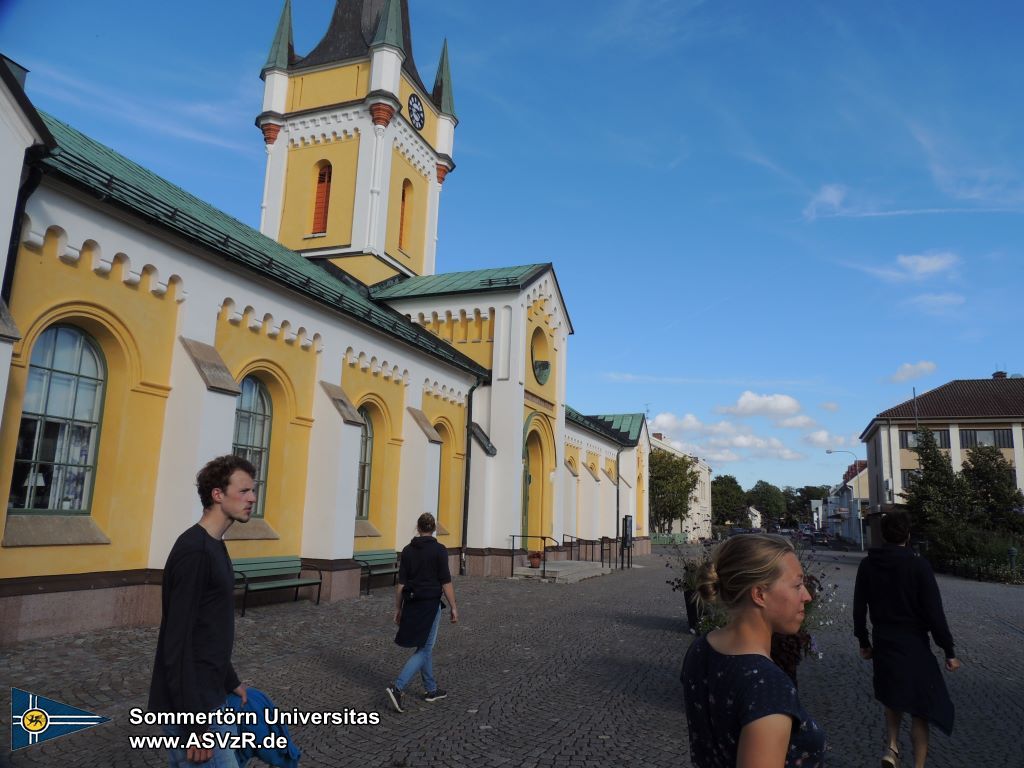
column 707, row 582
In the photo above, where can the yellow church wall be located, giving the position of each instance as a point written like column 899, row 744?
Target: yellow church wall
column 289, row 373
column 429, row 130
column 571, row 516
column 544, row 345
column 135, row 330
column 472, row 334
column 331, row 86
column 412, row 254
column 449, row 419
column 368, row 269
column 384, row 399
column 304, row 164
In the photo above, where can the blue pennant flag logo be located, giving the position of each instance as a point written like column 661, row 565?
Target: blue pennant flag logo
column 35, row 719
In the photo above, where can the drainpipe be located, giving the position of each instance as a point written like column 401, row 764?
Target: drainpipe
column 35, row 176
column 618, row 497
column 465, row 484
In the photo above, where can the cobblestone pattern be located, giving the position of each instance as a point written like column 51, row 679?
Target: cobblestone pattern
column 539, row 675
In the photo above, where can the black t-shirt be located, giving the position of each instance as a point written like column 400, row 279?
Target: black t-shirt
column 192, row 671
column 424, row 567
column 723, row 693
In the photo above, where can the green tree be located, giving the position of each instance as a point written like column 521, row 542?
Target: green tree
column 798, row 502
column 728, row 501
column 995, row 500
column 791, row 496
column 769, row 500
column 938, row 499
column 672, row 482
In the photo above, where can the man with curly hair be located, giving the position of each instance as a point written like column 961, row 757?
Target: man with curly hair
column 192, row 672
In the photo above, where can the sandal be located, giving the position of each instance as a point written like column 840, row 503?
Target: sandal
column 891, row 758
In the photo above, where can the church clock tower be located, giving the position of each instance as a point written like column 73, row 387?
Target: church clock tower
column 357, row 146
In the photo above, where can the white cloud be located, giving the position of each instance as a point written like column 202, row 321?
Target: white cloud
column 909, row 371
column 827, row 201
column 913, row 267
column 721, row 441
column 830, row 407
column 752, row 404
column 924, row 265
column 937, row 303
column 822, row 438
column 761, row 447
column 669, row 422
column 800, row 421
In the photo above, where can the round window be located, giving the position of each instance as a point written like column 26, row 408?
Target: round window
column 540, row 357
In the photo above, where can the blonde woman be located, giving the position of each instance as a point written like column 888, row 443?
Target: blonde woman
column 741, row 709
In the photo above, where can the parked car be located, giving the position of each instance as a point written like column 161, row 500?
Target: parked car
column 821, row 538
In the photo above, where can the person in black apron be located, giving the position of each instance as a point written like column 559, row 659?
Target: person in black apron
column 899, row 590
column 423, row 578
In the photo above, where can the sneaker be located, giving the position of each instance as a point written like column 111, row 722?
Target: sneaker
column 891, row 758
column 438, row 694
column 396, row 697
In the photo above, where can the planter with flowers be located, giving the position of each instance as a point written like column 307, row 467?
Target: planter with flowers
column 535, row 557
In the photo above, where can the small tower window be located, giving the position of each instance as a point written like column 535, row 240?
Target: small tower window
column 405, row 215
column 323, row 199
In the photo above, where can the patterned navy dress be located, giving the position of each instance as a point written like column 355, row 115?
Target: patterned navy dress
column 724, row 693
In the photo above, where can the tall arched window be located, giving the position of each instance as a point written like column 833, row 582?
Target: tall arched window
column 405, row 215
column 253, row 415
column 55, row 458
column 365, row 467
column 322, row 200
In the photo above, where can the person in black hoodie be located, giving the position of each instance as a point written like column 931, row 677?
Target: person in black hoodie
column 899, row 590
column 192, row 672
column 423, row 576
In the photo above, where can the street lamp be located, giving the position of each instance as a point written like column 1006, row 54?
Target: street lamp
column 856, row 490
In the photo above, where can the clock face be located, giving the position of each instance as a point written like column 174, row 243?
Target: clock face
column 416, row 112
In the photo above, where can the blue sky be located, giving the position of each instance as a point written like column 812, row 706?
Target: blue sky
column 769, row 220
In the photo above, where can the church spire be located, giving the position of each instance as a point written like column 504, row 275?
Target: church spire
column 442, row 94
column 282, row 50
column 390, row 26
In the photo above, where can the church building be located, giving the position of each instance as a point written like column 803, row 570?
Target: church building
column 143, row 332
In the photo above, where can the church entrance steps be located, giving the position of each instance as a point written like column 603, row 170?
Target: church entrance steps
column 563, row 571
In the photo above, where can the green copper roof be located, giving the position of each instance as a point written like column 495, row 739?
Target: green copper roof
column 118, row 181
column 282, row 50
column 476, row 281
column 622, row 428
column 442, row 94
column 389, row 29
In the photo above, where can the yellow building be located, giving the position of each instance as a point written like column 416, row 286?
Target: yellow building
column 143, row 332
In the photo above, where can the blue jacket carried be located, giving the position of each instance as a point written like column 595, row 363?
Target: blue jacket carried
column 259, row 703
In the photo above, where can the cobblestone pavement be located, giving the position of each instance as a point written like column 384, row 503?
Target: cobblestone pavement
column 539, row 674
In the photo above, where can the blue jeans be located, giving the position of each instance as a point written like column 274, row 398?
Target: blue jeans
column 422, row 661
column 222, row 758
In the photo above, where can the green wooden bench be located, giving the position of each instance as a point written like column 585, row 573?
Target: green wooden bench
column 259, row 574
column 376, row 562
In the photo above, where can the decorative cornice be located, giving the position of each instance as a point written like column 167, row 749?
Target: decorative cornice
column 270, row 132
column 382, row 113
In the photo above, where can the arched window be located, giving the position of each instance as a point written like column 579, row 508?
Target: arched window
column 55, row 459
column 322, row 200
column 365, row 467
column 405, row 215
column 253, row 414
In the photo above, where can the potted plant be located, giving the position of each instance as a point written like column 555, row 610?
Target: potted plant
column 535, row 557
column 685, row 581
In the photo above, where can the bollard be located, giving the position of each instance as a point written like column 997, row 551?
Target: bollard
column 1012, row 554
